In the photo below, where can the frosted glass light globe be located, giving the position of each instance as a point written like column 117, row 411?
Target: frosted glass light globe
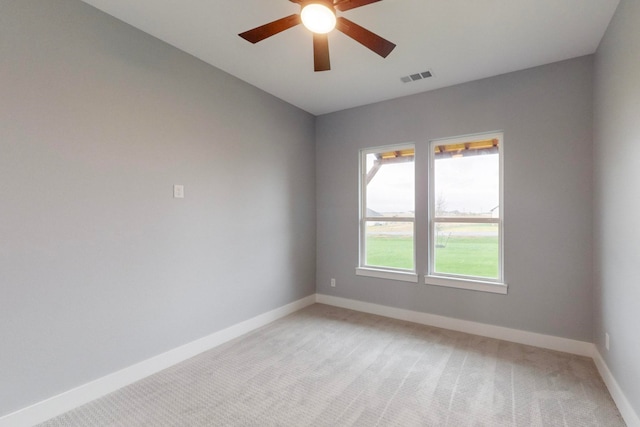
column 318, row 18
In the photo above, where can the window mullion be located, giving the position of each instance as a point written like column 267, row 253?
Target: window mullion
column 468, row 220
column 390, row 219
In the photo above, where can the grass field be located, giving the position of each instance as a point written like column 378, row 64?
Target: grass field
column 465, row 255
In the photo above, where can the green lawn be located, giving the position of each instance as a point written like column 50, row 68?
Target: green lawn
column 465, row 255
column 394, row 252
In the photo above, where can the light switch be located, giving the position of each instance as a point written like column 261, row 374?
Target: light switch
column 178, row 191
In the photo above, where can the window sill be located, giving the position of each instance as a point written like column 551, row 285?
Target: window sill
column 387, row 274
column 473, row 285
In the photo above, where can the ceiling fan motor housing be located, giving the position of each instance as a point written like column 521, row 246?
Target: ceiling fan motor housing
column 327, row 3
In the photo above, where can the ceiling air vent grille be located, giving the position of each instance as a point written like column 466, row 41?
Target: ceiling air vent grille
column 415, row 77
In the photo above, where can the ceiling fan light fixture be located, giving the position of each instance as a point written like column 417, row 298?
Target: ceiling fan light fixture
column 318, row 17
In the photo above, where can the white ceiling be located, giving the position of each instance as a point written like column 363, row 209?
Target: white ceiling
column 458, row 40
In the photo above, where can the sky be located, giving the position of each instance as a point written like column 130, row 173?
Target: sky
column 467, row 184
column 392, row 188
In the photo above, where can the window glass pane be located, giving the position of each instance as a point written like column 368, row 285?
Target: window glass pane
column 467, row 184
column 389, row 244
column 467, row 249
column 390, row 186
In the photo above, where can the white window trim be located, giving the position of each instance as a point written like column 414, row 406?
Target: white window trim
column 470, row 284
column 499, row 285
column 382, row 272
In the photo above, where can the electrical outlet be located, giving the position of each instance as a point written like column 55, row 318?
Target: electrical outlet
column 333, row 283
column 606, row 340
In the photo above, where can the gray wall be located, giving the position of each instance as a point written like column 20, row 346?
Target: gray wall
column 546, row 115
column 617, row 178
column 99, row 266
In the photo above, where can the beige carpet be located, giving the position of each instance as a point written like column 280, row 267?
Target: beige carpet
column 326, row 366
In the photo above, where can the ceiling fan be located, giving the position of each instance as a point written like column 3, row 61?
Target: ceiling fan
column 319, row 16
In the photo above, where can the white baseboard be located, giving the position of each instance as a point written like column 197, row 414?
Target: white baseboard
column 71, row 399
column 68, row 400
column 566, row 345
column 630, row 417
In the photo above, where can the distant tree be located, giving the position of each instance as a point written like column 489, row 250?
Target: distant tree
column 441, row 209
column 441, row 205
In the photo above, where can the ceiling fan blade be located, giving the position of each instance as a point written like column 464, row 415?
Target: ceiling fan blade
column 365, row 37
column 267, row 30
column 352, row 4
column 321, row 52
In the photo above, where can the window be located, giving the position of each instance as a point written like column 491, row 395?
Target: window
column 465, row 200
column 459, row 212
column 387, row 217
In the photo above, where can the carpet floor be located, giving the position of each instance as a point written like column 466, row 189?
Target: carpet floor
column 327, row 366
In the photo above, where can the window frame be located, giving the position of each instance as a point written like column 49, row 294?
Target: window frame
column 383, row 272
column 476, row 283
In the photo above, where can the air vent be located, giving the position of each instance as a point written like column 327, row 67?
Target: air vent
column 417, row 76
